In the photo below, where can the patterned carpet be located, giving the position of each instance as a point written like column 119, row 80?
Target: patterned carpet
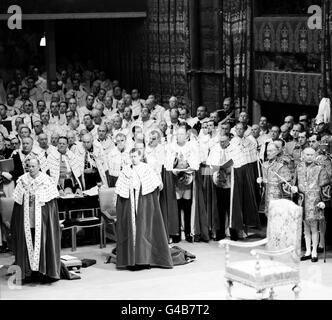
column 202, row 279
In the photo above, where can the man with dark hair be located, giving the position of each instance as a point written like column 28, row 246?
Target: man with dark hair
column 201, row 115
column 20, row 157
column 77, row 92
column 24, row 96
column 65, row 168
column 184, row 116
column 27, row 114
column 136, row 103
column 90, row 126
column 145, row 120
column 93, row 163
column 305, row 121
column 227, row 114
column 12, row 110
column 244, row 119
column 53, row 88
column 263, row 125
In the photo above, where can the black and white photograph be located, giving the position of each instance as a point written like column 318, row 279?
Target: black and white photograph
column 177, row 151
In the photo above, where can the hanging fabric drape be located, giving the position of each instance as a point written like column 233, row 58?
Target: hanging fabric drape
column 168, row 51
column 237, row 51
column 327, row 48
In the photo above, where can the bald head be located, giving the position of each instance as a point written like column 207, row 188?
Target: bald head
column 272, row 151
column 255, row 130
column 309, row 155
column 43, row 140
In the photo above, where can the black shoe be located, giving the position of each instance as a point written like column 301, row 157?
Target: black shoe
column 314, row 259
column 176, row 239
column 197, row 238
column 189, row 238
column 304, row 258
column 320, row 250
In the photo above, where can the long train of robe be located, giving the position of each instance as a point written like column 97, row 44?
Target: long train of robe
column 244, row 210
column 50, row 246
column 150, row 246
column 169, row 204
column 199, row 222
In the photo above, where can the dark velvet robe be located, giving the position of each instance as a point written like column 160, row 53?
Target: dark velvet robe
column 169, row 204
column 151, row 247
column 210, row 199
column 201, row 221
column 244, row 203
column 50, row 247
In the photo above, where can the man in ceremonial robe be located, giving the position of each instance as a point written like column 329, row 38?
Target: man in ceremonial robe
column 244, row 209
column 65, row 169
column 183, row 160
column 323, row 159
column 35, row 225
column 142, row 241
column 221, row 176
column 117, row 158
column 311, row 179
column 93, row 163
column 276, row 175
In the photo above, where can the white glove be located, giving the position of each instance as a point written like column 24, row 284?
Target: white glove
column 7, row 175
column 161, row 186
column 79, row 192
column 294, row 189
column 259, row 180
column 321, row 205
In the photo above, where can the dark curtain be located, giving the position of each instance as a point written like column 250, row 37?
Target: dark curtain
column 114, row 45
column 327, row 51
column 168, row 48
column 327, row 41
column 237, row 51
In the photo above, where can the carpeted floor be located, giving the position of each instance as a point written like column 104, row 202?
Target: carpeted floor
column 202, row 279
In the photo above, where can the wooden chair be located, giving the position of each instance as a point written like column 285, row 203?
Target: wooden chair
column 72, row 228
column 88, row 219
column 6, row 211
column 107, row 202
column 280, row 260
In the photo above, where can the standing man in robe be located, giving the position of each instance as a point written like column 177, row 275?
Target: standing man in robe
column 93, row 163
column 311, row 179
column 244, row 209
column 185, row 160
column 35, row 225
column 142, row 241
column 65, row 168
column 222, row 179
column 117, row 158
column 275, row 187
